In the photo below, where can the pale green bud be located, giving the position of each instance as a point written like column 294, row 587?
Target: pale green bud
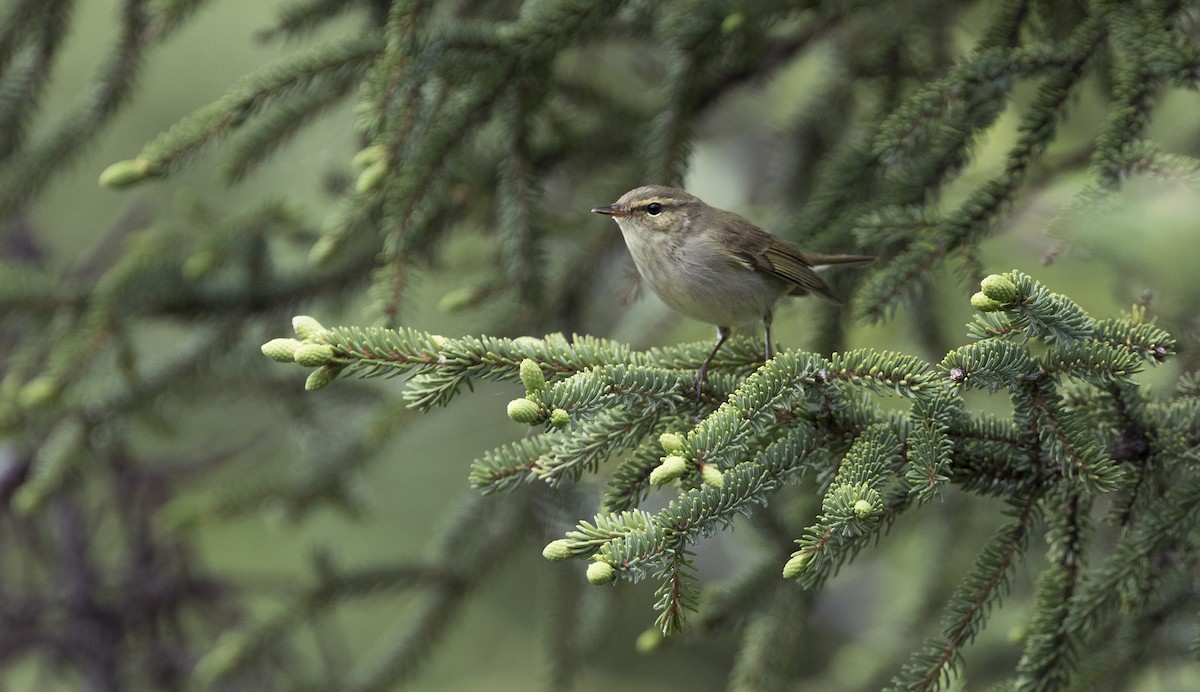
column 672, row 443
column 200, row 264
column 559, row 550
column 732, row 22
column 796, row 565
column 281, row 350
column 459, row 298
column 307, row 328
column 532, row 377
column 560, row 418
column 524, row 411
column 369, row 156
column 999, row 288
column 38, row 391
column 982, row 303
column 228, row 650
column 313, row 355
column 370, row 177
column 322, row 250
column 600, row 573
column 672, row 467
column 648, row 641
column 712, row 476
column 125, row 173
column 863, row 509
column 321, row 377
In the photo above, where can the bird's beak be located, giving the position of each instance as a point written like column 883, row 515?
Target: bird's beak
column 611, row 210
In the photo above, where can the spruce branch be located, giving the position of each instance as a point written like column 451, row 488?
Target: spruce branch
column 601, row 399
column 25, row 174
column 983, row 588
column 326, row 67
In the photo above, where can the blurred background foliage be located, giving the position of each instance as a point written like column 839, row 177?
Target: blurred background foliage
column 169, row 496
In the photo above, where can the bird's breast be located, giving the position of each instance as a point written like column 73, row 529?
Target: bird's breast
column 693, row 275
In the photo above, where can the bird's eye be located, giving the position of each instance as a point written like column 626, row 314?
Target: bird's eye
column 654, row 209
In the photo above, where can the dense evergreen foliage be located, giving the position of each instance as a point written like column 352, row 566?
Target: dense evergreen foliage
column 503, row 122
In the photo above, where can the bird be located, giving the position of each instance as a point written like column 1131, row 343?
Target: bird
column 714, row 265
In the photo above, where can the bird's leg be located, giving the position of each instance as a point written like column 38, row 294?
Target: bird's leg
column 767, row 329
column 702, row 376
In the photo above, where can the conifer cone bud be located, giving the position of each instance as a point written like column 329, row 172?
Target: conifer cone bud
column 219, row 659
column 648, row 641
column 370, row 177
column 672, row 443
column 673, row 466
column 321, row 377
column 324, row 249
column 532, row 377
column 459, row 298
column 600, row 573
column 556, row 551
column 281, row 350
column 999, row 288
column 200, row 264
column 981, row 302
column 40, row 390
column 125, row 173
column 368, row 156
column 795, row 566
column 712, row 476
column 560, row 418
column 313, row 355
column 524, row 411
column 863, row 509
column 307, row 328
column 732, row 22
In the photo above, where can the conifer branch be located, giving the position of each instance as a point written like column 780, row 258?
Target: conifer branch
column 972, row 602
column 799, row 410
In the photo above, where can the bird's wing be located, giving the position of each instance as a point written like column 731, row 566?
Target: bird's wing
column 766, row 253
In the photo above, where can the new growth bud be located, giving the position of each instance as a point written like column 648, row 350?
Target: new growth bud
column 672, row 443
column 999, row 288
column 307, row 328
column 40, row 390
column 125, row 173
column 281, row 350
column 560, row 418
column 648, row 641
column 323, row 249
column 370, row 177
column 313, row 355
column 532, row 377
column 368, row 156
column 600, row 573
column 795, row 566
column 321, row 377
column 524, row 411
column 981, row 302
column 712, row 476
column 673, row 466
column 557, row 551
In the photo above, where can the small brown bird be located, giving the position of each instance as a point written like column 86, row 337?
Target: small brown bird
column 713, row 265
